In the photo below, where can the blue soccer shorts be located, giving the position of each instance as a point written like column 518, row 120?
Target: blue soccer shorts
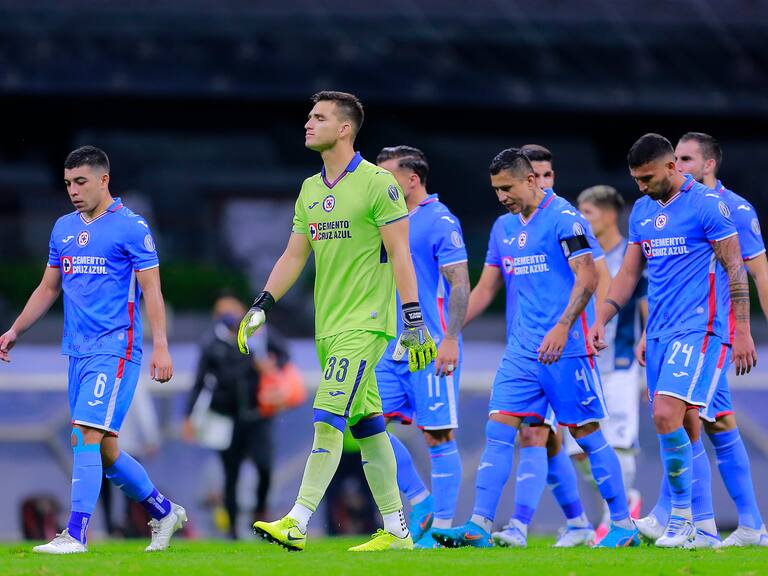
column 687, row 366
column 719, row 400
column 101, row 389
column 421, row 397
column 526, row 388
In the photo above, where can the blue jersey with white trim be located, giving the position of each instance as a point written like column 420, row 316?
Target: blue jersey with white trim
column 98, row 261
column 543, row 278
column 676, row 238
column 436, row 240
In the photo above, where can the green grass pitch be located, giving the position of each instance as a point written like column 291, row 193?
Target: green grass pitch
column 329, row 556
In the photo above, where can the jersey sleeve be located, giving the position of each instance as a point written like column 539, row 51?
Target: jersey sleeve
column 633, row 235
column 299, row 217
column 139, row 244
column 748, row 226
column 715, row 217
column 54, row 260
column 573, row 233
column 388, row 204
column 492, row 256
column 448, row 240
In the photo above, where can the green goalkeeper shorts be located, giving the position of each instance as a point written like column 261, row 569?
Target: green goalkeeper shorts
column 348, row 383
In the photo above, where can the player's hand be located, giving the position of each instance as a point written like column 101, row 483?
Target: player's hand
column 447, row 357
column 7, row 341
column 596, row 338
column 188, row 431
column 161, row 367
column 552, row 346
column 640, row 350
column 416, row 339
column 744, row 355
column 254, row 319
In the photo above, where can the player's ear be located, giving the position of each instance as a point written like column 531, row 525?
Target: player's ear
column 710, row 165
column 104, row 179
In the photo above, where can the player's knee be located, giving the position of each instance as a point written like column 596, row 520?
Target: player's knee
column 110, row 451
column 585, row 430
column 668, row 416
column 724, row 423
column 534, row 436
column 84, row 438
column 437, row 437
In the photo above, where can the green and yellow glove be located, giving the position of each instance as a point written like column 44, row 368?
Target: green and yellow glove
column 416, row 339
column 254, row 319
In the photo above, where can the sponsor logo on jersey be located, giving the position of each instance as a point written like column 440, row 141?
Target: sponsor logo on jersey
column 723, row 209
column 532, row 264
column 674, row 246
column 456, row 239
column 522, row 239
column 661, row 221
column 329, row 202
column 149, row 244
column 82, row 238
column 755, row 226
column 333, row 230
column 393, row 192
column 509, row 264
column 84, row 265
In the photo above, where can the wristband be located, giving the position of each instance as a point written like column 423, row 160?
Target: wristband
column 412, row 315
column 265, row 301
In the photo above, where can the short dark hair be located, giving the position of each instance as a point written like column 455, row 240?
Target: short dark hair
column 603, row 197
column 348, row 104
column 648, row 148
column 513, row 160
column 401, row 151
column 537, row 153
column 87, row 156
column 710, row 147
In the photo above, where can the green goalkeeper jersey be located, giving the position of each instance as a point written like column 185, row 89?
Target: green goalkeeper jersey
column 354, row 283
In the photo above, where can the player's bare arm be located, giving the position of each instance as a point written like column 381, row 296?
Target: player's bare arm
column 395, row 238
column 38, row 304
column 728, row 254
column 758, row 269
column 603, row 281
column 288, row 267
column 457, row 275
column 620, row 291
column 161, row 365
column 491, row 281
column 585, row 284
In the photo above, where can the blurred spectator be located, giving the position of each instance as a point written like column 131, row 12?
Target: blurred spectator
column 224, row 411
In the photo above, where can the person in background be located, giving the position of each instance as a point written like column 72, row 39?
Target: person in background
column 232, row 381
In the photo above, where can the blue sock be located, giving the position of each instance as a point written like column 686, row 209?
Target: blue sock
column 531, row 479
column 733, row 462
column 494, row 469
column 677, row 456
column 606, row 471
column 701, row 489
column 561, row 478
column 131, row 477
column 446, row 478
column 86, row 485
column 408, row 479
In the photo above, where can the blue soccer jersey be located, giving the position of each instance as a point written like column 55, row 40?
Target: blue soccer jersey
column 676, row 238
column 436, row 240
column 99, row 260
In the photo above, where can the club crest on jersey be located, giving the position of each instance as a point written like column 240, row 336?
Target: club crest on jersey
column 329, row 202
column 647, row 249
column 82, row 238
column 660, row 222
column 393, row 192
column 578, row 229
column 755, row 226
column 66, row 264
column 313, row 231
column 724, row 210
column 149, row 244
column 509, row 264
column 522, row 239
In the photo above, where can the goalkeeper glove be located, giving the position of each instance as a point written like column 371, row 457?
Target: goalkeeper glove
column 415, row 338
column 254, row 319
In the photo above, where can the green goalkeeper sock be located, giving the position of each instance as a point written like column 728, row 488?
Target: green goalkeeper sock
column 380, row 470
column 321, row 465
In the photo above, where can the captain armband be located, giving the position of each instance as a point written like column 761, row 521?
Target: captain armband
column 574, row 244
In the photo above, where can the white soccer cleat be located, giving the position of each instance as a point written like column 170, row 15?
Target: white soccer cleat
column 513, row 535
column 650, row 528
column 679, row 533
column 62, row 544
column 744, row 536
column 163, row 529
column 705, row 540
column 571, row 537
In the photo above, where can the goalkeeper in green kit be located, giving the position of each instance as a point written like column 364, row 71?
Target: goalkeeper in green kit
column 353, row 216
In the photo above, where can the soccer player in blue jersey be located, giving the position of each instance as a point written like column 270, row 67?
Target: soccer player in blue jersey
column 682, row 230
column 542, row 459
column 428, row 398
column 620, row 374
column 700, row 155
column 103, row 257
column 548, row 360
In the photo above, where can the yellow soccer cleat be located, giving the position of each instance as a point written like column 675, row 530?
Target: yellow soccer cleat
column 382, row 541
column 284, row 532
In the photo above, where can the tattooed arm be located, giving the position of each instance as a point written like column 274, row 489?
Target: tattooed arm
column 457, row 275
column 584, row 286
column 729, row 255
